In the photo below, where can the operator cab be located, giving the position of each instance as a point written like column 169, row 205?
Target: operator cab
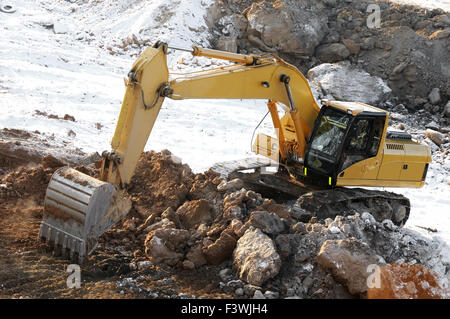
column 344, row 133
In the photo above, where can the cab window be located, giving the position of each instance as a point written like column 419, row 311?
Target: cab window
column 363, row 140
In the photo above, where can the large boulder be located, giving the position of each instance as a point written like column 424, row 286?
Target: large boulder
column 342, row 82
column 435, row 136
column 348, row 261
column 255, row 257
column 221, row 249
column 333, row 52
column 165, row 245
column 269, row 223
column 289, row 26
column 194, row 212
column 404, row 281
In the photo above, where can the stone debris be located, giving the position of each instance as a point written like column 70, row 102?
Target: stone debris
column 255, row 258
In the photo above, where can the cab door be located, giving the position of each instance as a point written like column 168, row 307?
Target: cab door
column 359, row 156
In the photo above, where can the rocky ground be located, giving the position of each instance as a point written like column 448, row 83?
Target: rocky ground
column 409, row 48
column 199, row 236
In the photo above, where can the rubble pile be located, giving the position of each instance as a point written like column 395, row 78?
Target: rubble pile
column 261, row 248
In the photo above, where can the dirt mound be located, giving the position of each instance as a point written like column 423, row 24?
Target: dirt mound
column 12, row 154
column 159, row 183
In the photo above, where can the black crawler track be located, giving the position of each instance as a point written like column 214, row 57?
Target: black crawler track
column 348, row 201
column 315, row 201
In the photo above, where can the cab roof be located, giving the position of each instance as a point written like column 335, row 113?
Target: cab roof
column 354, row 107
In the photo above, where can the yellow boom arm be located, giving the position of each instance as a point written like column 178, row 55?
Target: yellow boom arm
column 252, row 77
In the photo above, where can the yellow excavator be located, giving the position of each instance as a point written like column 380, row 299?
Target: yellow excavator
column 320, row 149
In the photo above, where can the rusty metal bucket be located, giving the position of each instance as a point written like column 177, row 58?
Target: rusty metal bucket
column 78, row 209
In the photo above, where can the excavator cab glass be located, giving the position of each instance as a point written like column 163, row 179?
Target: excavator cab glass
column 340, row 140
column 363, row 140
column 322, row 154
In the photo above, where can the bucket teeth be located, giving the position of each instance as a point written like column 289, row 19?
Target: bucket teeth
column 49, row 235
column 62, row 244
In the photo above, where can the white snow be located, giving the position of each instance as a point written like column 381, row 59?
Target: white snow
column 72, row 71
column 432, row 4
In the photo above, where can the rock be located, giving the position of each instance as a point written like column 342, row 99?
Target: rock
column 255, row 257
column 283, row 245
column 431, row 144
column 236, row 227
column 90, row 158
column 68, row 117
column 50, row 161
column 300, row 214
column 239, row 292
column 269, row 223
column 289, row 26
column 400, row 108
column 158, row 252
column 399, row 68
column 272, row 207
column 257, row 42
column 195, row 254
column 232, row 285
column 176, row 238
column 194, row 212
column 205, row 188
column 368, row 43
column 143, row 265
column 228, row 44
column 347, row 260
column 258, row 295
column 435, row 96
column 249, row 290
column 368, row 218
column 164, row 223
column 221, row 249
column 271, row 294
column 171, row 215
column 440, row 34
column 403, row 281
column 352, row 46
column 233, row 185
column 447, row 109
column 333, row 52
column 334, row 230
column 346, row 83
column 300, row 228
column 188, row 265
column 419, row 102
column 236, row 204
column 435, row 136
column 233, row 25
column 225, row 274
column 433, row 126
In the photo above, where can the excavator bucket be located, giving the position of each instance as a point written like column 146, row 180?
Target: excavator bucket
column 78, row 209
